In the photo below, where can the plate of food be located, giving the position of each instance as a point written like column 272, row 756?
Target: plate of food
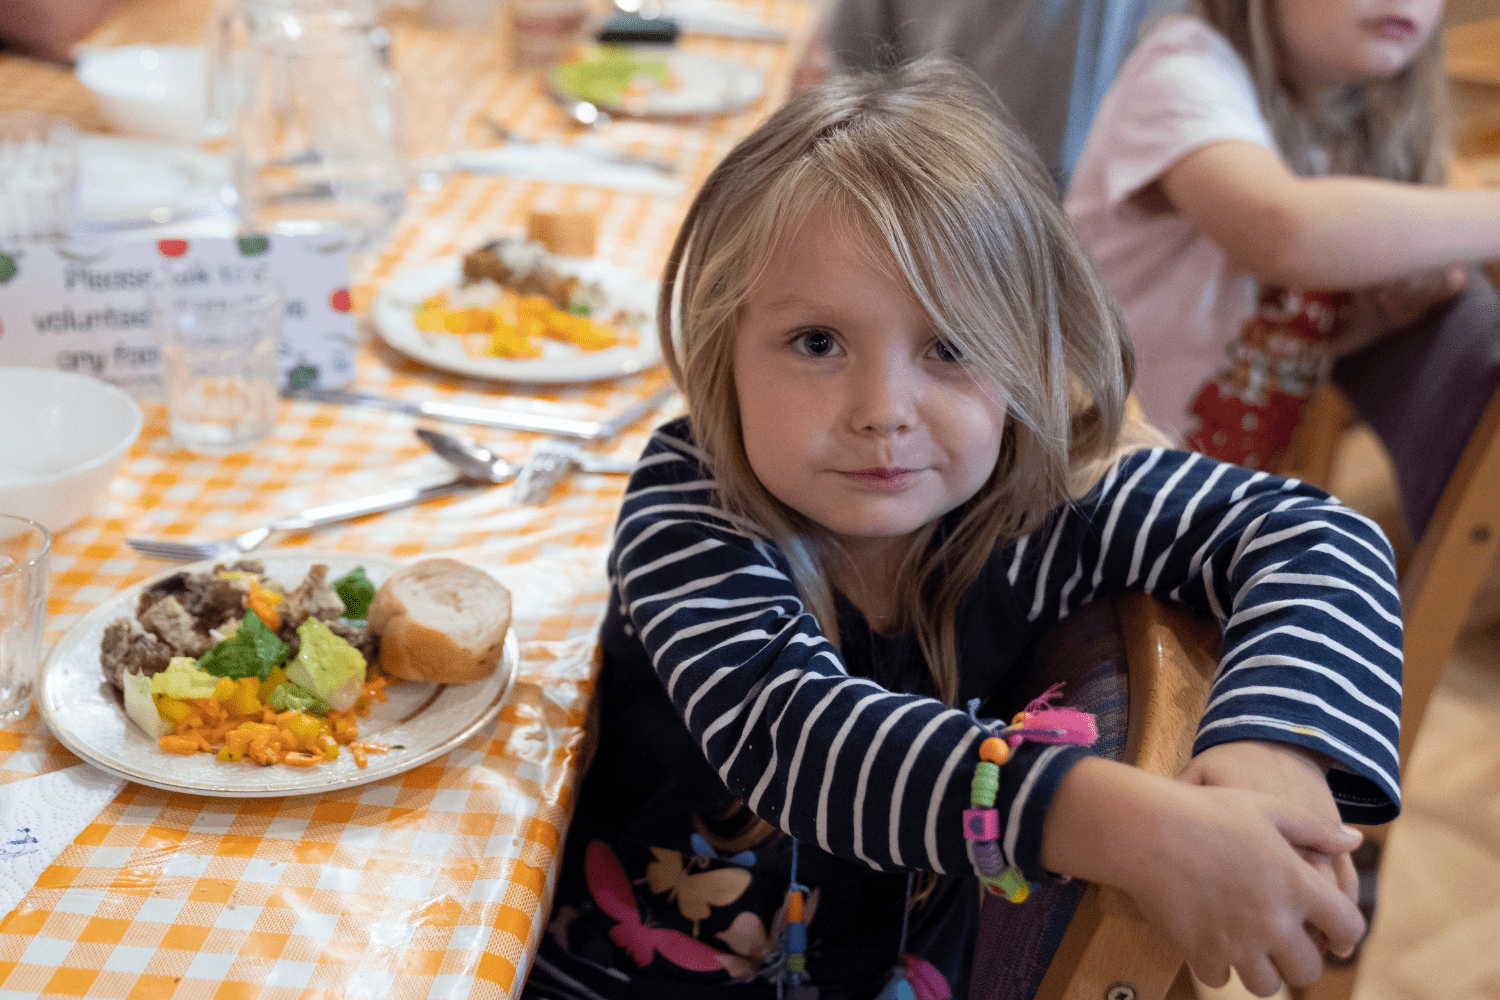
column 513, row 310
column 621, row 80
column 291, row 674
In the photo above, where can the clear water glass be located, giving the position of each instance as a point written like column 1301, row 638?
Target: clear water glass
column 38, row 176
column 220, row 348
column 24, row 548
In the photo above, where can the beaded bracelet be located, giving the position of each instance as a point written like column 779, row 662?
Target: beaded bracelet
column 1042, row 723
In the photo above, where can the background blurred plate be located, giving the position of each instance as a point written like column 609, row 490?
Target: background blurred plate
column 395, row 319
column 700, row 86
column 129, row 183
column 88, row 716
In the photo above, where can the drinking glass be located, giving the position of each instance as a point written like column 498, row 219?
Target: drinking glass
column 303, row 89
column 38, row 176
column 219, row 341
column 24, row 546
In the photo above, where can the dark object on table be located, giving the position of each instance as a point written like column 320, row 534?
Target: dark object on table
column 626, row 29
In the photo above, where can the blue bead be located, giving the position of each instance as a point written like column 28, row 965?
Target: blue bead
column 796, row 938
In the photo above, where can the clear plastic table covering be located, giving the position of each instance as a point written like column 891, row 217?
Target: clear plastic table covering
column 435, row 883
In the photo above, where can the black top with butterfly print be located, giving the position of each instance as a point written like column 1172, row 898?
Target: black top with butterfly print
column 719, row 689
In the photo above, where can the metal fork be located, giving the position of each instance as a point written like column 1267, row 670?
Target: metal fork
column 550, row 461
column 311, row 518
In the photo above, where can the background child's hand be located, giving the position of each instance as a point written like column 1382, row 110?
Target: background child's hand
column 1290, row 773
column 1383, row 308
column 1221, row 871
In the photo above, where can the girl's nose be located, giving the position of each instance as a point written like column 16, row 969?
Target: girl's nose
column 882, row 397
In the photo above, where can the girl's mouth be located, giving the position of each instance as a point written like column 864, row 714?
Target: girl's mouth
column 882, row 478
column 1394, row 29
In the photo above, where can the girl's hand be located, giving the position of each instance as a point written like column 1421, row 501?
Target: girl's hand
column 1217, row 870
column 1382, row 309
column 1294, row 775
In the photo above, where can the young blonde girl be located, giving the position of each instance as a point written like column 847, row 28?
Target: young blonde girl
column 1263, row 145
column 903, row 463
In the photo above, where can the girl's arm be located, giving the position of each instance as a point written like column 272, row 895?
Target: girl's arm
column 1304, row 587
column 1326, row 232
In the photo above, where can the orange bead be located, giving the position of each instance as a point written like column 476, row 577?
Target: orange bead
column 794, row 907
column 994, row 750
column 1019, row 718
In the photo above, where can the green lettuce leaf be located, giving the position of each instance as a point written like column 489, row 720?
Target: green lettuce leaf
column 253, row 651
column 294, row 697
column 356, row 591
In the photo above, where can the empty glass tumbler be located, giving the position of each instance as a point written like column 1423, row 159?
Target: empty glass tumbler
column 220, row 342
column 24, row 547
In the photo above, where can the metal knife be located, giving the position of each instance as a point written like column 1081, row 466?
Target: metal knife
column 490, row 416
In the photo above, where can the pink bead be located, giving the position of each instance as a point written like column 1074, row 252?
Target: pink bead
column 981, row 824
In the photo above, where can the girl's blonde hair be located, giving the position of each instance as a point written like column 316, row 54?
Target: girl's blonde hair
column 1399, row 128
column 920, row 163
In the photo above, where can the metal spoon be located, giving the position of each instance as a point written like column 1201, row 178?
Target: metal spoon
column 469, row 456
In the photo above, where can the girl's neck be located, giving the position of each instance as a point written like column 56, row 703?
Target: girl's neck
column 866, row 574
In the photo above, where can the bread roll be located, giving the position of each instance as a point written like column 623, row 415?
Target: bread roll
column 440, row 620
column 570, row 234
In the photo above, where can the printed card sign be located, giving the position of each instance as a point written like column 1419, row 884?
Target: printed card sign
column 88, row 309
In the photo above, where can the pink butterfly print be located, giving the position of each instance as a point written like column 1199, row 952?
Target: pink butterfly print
column 926, row 981
column 611, row 889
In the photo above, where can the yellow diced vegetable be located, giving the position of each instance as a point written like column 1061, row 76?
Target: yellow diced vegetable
column 173, row 709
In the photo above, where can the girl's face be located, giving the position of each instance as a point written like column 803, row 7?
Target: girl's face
column 853, row 413
column 1335, row 42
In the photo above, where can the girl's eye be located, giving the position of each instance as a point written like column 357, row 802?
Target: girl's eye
column 816, row 343
column 947, row 352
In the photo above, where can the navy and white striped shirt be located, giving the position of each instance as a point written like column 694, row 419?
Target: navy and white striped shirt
column 1304, row 588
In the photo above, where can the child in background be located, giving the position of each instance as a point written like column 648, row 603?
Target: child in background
column 903, row 464
column 1280, row 152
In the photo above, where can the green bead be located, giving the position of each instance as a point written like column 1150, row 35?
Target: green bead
column 796, row 963
column 985, row 786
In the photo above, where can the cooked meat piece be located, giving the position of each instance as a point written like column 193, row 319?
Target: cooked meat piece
column 312, row 599
column 212, row 601
column 175, row 585
column 171, row 623
column 360, row 637
column 521, row 266
column 208, row 599
column 129, row 649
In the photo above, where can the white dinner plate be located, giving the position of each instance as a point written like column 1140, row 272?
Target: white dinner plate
column 700, row 86
column 419, row 721
column 127, row 183
column 395, row 318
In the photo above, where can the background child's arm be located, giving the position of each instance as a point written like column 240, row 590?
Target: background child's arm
column 1327, row 233
column 1217, row 870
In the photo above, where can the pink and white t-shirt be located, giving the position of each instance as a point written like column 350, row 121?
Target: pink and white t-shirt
column 1183, row 87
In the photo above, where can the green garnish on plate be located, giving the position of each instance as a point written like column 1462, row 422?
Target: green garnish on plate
column 606, row 72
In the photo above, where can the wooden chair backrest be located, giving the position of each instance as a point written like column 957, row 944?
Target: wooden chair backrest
column 1109, row 952
column 1450, row 561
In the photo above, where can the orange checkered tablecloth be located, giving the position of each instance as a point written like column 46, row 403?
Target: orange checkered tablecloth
column 435, row 883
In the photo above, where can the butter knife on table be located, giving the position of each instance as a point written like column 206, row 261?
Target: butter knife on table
column 493, row 416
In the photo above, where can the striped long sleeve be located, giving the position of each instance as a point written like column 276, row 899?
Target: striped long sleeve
column 1304, row 587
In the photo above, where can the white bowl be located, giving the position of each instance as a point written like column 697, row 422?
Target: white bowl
column 62, row 436
column 157, row 91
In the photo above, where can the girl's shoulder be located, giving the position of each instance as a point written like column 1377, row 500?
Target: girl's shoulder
column 1184, row 40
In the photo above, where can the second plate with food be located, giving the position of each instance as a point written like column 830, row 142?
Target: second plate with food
column 395, row 316
column 672, row 85
column 418, row 721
